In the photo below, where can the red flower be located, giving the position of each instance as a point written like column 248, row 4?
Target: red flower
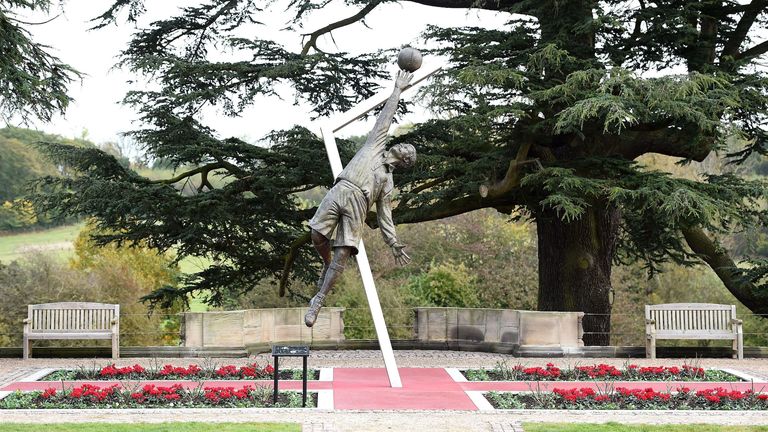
column 49, row 393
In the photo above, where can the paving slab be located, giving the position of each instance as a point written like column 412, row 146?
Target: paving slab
column 363, row 420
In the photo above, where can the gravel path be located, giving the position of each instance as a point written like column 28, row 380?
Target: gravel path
column 401, row 421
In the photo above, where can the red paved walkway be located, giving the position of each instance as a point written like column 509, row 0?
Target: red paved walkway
column 423, row 388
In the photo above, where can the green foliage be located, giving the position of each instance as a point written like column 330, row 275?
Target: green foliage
column 129, row 272
column 33, row 82
column 445, row 285
column 673, row 284
column 553, row 108
column 106, row 275
column 487, row 260
column 20, row 164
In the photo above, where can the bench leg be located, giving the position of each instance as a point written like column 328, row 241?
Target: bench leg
column 27, row 348
column 115, row 346
column 738, row 346
column 650, row 347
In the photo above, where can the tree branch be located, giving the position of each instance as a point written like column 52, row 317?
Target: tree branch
column 444, row 209
column 422, row 187
column 468, row 4
column 512, row 177
column 739, row 35
column 199, row 170
column 312, row 42
column 31, row 23
column 755, row 51
column 289, row 258
column 232, row 168
column 718, row 259
column 665, row 140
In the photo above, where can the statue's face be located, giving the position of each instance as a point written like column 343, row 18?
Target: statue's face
column 405, row 155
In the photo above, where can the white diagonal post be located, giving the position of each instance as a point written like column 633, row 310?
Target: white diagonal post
column 328, row 129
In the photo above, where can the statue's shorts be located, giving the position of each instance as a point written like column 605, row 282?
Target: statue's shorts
column 343, row 209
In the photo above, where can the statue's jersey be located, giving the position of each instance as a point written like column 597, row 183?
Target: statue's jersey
column 364, row 181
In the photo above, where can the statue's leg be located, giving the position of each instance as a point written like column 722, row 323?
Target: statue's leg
column 323, row 247
column 335, row 269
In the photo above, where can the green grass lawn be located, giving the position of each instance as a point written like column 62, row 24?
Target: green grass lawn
column 193, row 265
column 616, row 427
column 12, row 246
column 152, row 427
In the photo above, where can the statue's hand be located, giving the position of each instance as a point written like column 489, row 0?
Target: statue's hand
column 403, row 79
column 401, row 258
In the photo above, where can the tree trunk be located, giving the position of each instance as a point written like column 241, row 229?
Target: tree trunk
column 575, row 267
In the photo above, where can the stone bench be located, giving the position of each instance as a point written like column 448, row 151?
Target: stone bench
column 71, row 320
column 692, row 321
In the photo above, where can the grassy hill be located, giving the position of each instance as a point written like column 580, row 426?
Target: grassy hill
column 59, row 242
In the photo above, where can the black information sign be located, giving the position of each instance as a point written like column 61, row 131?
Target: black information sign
column 291, row 351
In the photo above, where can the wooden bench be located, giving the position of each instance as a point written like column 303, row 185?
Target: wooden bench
column 72, row 321
column 692, row 321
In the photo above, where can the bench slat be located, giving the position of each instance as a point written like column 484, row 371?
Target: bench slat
column 713, row 336
column 69, row 336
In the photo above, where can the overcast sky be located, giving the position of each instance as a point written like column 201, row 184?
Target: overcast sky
column 97, row 109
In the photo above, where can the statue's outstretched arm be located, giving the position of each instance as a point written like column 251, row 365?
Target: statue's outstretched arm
column 378, row 134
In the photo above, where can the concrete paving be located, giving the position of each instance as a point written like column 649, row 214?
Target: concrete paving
column 320, row 420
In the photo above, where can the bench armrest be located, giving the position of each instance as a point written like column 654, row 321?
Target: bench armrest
column 650, row 322
column 26, row 321
column 114, row 321
column 736, row 321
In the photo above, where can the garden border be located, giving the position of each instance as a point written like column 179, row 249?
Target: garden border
column 743, row 375
column 458, row 376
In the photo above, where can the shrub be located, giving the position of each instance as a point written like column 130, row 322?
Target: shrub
column 445, row 285
column 105, row 275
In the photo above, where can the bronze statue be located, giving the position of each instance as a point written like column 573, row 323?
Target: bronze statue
column 366, row 180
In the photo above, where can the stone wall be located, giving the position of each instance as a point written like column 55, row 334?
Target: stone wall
column 500, row 326
column 238, row 329
column 478, row 328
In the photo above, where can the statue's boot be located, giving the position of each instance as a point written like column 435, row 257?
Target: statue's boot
column 314, row 309
column 332, row 274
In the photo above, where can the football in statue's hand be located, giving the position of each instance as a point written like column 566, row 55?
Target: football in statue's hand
column 409, row 59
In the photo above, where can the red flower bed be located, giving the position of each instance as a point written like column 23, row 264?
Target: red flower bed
column 150, row 395
column 716, row 398
column 632, row 372
column 111, row 371
column 664, row 372
column 171, row 372
column 550, row 371
column 245, row 372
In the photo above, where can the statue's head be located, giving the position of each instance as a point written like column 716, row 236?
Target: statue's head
column 404, row 155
